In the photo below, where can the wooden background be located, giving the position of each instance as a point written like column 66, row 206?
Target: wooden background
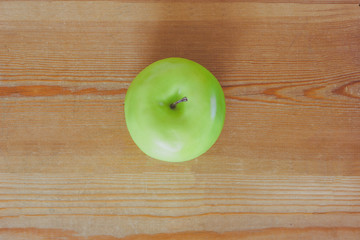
column 286, row 166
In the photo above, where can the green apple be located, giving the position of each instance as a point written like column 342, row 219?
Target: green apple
column 175, row 110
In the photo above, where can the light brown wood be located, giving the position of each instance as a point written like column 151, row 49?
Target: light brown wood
column 286, row 165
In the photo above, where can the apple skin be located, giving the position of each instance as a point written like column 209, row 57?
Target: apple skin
column 188, row 130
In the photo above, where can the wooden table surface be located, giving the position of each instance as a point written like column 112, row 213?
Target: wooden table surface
column 286, row 166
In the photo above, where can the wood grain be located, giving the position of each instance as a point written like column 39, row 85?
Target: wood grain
column 200, row 205
column 286, row 165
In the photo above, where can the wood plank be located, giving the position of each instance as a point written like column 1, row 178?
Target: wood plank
column 200, row 205
column 216, row 1
column 166, row 11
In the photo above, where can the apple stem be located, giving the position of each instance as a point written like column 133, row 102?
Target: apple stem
column 173, row 105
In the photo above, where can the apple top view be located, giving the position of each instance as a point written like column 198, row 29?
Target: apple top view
column 175, row 110
column 181, row 119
